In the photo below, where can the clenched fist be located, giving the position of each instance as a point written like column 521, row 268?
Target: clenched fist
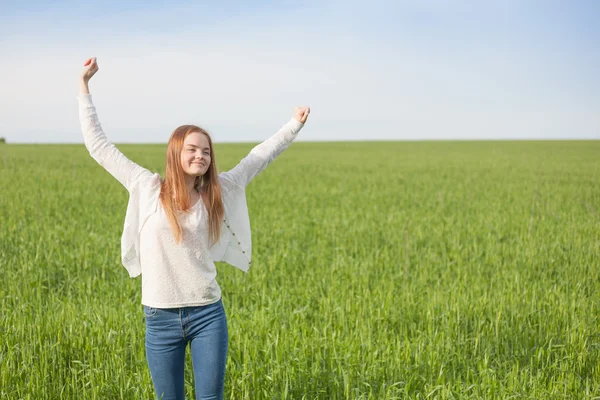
column 301, row 113
column 90, row 68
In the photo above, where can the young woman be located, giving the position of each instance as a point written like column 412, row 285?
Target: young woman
column 175, row 228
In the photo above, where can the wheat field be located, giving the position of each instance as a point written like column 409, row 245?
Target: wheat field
column 381, row 270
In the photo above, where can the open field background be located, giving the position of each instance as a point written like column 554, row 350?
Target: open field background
column 380, row 270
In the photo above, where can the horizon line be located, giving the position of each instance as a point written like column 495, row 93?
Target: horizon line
column 335, row 141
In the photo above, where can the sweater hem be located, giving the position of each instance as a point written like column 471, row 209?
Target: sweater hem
column 181, row 305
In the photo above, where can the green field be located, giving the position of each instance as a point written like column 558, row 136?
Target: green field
column 440, row 270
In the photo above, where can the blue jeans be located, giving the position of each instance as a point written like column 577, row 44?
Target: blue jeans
column 168, row 331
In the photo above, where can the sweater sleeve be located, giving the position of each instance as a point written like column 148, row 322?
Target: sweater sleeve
column 263, row 154
column 105, row 153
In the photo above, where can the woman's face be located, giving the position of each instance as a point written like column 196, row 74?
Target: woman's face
column 195, row 156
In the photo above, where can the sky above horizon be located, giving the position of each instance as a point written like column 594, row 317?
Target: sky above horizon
column 377, row 70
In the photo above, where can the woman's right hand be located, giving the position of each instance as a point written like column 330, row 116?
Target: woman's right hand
column 90, row 68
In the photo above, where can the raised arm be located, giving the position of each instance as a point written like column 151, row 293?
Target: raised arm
column 105, row 153
column 264, row 153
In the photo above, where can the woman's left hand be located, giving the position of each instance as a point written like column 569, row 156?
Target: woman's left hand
column 301, row 113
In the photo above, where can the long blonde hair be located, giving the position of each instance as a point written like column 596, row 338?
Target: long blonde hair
column 173, row 192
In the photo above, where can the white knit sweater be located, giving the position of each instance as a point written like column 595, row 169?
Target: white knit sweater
column 234, row 245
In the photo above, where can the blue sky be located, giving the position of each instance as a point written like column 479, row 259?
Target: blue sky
column 376, row 70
